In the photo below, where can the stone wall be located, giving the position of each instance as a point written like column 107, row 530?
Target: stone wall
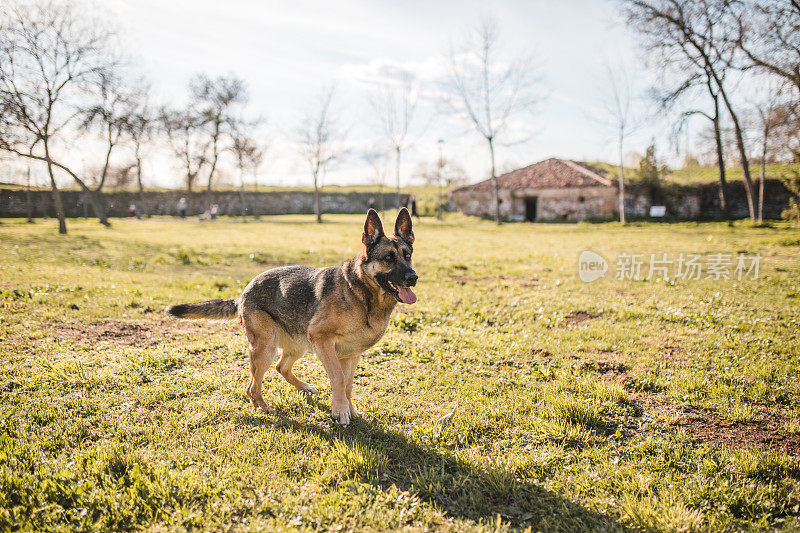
column 551, row 204
column 13, row 203
column 700, row 202
column 570, row 204
column 480, row 203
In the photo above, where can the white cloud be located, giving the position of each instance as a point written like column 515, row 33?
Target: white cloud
column 287, row 51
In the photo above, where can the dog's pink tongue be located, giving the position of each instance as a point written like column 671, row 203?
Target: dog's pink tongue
column 407, row 295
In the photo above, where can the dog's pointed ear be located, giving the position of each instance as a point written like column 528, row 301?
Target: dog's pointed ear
column 402, row 226
column 373, row 229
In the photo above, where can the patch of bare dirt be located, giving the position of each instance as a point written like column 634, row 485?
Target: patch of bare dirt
column 532, row 281
column 606, row 362
column 576, row 318
column 123, row 333
column 539, row 356
column 674, row 354
column 707, row 427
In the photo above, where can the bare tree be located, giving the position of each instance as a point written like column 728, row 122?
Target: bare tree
column 488, row 90
column 140, row 128
column 321, row 140
column 117, row 176
column 768, row 34
column 248, row 154
column 770, row 118
column 690, row 83
column 256, row 159
column 28, row 200
column 768, row 38
column 48, row 56
column 445, row 174
column 395, row 106
column 243, row 146
column 216, row 101
column 787, row 142
column 377, row 157
column 685, row 77
column 698, row 32
column 187, row 140
column 618, row 109
column 110, row 116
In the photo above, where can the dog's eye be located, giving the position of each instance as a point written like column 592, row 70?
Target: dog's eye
column 388, row 257
column 408, row 256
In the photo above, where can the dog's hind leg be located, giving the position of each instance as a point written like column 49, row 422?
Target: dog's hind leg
column 262, row 340
column 284, row 367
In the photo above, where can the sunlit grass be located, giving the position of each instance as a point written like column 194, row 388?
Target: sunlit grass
column 482, row 400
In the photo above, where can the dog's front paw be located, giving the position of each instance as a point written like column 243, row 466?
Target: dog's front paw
column 262, row 407
column 353, row 412
column 340, row 412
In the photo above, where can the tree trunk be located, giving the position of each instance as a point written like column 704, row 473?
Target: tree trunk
column 209, row 191
column 397, row 175
column 317, row 210
column 91, row 195
column 763, row 177
column 748, row 180
column 28, row 204
column 723, row 184
column 211, row 176
column 441, row 183
column 105, row 164
column 97, row 204
column 441, row 200
column 62, row 223
column 188, row 162
column 621, row 182
column 139, row 182
column 241, row 195
column 495, row 185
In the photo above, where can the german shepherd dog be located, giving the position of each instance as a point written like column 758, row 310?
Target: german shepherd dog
column 338, row 312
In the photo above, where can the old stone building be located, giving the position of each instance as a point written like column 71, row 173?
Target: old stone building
column 553, row 189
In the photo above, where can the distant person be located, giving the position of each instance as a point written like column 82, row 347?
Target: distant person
column 404, row 202
column 214, row 211
column 414, row 207
column 182, row 207
column 371, row 203
column 132, row 211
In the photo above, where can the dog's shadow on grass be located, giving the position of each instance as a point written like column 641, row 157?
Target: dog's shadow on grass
column 459, row 489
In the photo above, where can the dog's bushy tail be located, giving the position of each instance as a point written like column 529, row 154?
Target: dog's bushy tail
column 220, row 309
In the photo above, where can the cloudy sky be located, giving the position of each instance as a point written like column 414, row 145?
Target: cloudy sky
column 288, row 51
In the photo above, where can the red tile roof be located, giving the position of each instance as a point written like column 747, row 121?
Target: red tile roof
column 548, row 174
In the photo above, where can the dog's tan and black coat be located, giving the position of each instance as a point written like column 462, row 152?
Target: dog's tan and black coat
column 337, row 312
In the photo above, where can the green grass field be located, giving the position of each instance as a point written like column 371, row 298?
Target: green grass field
column 511, row 396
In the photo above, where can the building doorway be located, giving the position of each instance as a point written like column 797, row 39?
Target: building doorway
column 530, row 208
